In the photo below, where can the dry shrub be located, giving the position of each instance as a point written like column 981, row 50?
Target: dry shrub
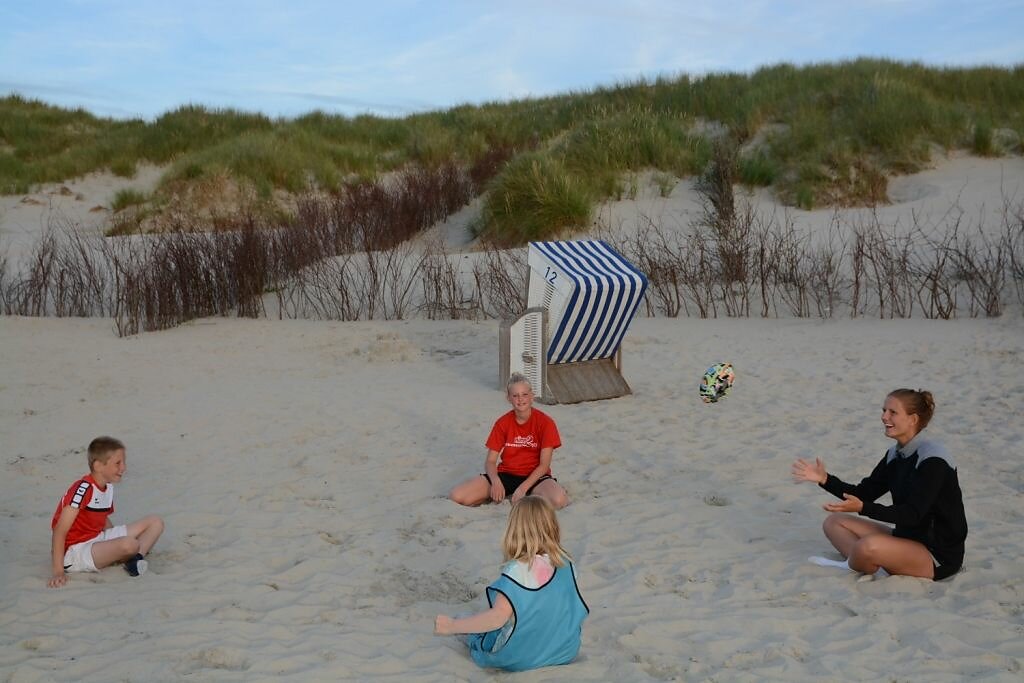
column 658, row 253
column 981, row 265
column 488, row 165
column 64, row 274
column 933, row 272
column 445, row 295
column 681, row 268
column 731, row 229
column 501, row 279
column 347, row 256
column 326, row 289
column 826, row 272
column 377, row 215
column 168, row 278
column 882, row 267
column 1013, row 226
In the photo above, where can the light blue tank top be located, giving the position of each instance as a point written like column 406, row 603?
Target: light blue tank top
column 548, row 624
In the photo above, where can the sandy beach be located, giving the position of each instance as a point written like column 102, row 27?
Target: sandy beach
column 302, row 469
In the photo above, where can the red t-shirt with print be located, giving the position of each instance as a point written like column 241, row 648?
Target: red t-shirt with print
column 94, row 506
column 520, row 444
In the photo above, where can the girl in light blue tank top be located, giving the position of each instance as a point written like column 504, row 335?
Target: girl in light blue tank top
column 536, row 610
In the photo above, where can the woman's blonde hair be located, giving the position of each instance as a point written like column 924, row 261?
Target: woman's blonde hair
column 533, row 530
column 920, row 403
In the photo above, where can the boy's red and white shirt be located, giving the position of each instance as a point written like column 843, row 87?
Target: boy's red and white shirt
column 94, row 505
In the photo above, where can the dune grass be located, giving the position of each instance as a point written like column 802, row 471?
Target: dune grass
column 836, row 132
column 534, row 199
column 127, row 197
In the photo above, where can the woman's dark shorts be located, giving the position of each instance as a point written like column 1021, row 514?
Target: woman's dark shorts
column 944, row 571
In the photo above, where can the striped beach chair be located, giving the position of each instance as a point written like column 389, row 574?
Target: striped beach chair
column 581, row 298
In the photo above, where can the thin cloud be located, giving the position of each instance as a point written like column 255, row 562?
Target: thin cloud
column 398, row 56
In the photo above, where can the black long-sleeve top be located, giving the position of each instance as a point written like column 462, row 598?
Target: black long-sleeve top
column 927, row 504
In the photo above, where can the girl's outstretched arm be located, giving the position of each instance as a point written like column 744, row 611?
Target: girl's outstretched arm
column 483, row 622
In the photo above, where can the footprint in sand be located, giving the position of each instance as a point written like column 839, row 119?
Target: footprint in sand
column 410, row 587
column 41, row 644
column 197, row 541
column 661, row 671
column 716, row 501
column 329, row 538
column 844, row 610
column 226, row 658
column 450, row 522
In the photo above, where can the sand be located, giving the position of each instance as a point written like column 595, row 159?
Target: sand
column 82, row 203
column 302, row 466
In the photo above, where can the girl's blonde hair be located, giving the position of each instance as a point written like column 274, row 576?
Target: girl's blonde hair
column 533, row 530
column 517, row 378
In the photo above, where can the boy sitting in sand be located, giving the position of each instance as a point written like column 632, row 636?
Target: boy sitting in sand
column 525, row 439
column 83, row 538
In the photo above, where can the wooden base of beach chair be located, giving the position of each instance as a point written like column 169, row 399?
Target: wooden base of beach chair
column 588, row 380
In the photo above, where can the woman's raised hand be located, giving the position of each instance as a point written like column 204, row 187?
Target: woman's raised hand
column 849, row 503
column 809, row 471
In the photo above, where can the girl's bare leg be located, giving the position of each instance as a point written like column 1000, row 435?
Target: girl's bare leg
column 472, row 492
column 553, row 492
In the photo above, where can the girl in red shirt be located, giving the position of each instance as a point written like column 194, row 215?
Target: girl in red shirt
column 519, row 451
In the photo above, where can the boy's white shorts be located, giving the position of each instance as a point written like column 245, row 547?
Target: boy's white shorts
column 78, row 558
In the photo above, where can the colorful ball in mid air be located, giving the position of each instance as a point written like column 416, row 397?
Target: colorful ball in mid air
column 717, row 382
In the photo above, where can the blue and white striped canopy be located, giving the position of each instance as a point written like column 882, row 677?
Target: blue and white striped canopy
column 602, row 292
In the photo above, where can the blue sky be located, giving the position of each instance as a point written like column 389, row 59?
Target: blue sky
column 394, row 57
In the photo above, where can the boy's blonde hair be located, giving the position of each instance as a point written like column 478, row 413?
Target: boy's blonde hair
column 101, row 447
column 533, row 530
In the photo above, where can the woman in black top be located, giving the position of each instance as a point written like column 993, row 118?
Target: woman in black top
column 927, row 505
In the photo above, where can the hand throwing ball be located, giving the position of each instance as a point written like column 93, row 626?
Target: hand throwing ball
column 717, row 382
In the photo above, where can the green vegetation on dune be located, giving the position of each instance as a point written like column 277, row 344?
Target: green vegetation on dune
column 536, row 196
column 819, row 134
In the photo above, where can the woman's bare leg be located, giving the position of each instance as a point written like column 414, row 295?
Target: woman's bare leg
column 843, row 531
column 895, row 555
column 869, row 545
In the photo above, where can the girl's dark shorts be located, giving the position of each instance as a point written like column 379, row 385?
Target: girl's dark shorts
column 512, row 481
